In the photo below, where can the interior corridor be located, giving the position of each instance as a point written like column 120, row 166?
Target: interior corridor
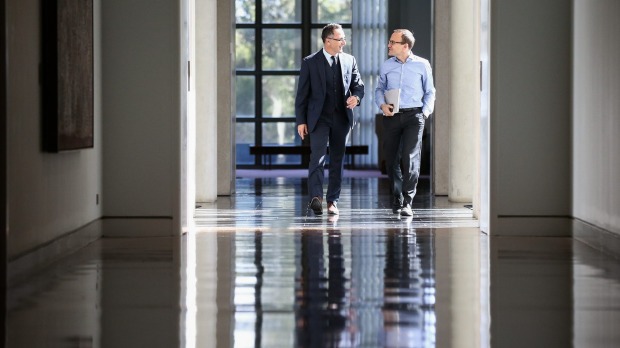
column 259, row 270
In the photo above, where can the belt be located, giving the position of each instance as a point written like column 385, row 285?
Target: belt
column 402, row 110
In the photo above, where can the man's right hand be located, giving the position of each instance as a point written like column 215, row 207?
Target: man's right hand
column 387, row 109
column 302, row 130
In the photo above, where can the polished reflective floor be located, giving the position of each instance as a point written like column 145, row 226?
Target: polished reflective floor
column 260, row 270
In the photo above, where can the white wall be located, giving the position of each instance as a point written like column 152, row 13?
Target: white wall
column 49, row 195
column 143, row 81
column 530, row 170
column 596, row 114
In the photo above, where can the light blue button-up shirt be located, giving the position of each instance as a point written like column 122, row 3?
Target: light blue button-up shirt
column 416, row 84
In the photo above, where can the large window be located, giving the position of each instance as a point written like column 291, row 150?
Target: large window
column 272, row 37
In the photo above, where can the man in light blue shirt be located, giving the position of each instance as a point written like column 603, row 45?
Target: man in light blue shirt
column 403, row 124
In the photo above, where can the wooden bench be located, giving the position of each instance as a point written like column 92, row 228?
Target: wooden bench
column 266, row 151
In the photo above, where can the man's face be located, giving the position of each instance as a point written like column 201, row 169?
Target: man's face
column 395, row 45
column 335, row 42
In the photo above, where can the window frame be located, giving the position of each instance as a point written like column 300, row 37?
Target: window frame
column 307, row 27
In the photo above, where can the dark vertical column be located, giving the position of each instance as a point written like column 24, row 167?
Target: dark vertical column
column 417, row 16
column 311, row 293
column 3, row 166
column 306, row 49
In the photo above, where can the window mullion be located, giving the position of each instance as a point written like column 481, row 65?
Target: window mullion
column 258, row 85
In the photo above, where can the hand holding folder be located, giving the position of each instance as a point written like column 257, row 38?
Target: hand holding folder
column 392, row 97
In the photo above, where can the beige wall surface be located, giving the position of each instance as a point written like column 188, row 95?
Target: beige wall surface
column 49, row 194
column 142, row 93
column 530, row 101
column 133, row 170
column 596, row 114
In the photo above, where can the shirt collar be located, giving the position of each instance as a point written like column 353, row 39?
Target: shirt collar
column 410, row 57
column 329, row 56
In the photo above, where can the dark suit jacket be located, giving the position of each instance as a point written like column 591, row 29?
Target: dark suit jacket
column 311, row 89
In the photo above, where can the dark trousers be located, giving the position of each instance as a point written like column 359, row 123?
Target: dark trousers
column 335, row 134
column 396, row 184
column 403, row 140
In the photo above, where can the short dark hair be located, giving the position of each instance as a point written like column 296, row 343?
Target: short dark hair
column 329, row 30
column 406, row 37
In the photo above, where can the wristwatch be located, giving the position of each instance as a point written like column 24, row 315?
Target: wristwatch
column 358, row 99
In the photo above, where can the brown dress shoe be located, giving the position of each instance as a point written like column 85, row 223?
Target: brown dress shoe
column 332, row 209
column 316, row 205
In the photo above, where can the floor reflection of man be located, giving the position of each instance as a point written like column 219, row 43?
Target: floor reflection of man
column 408, row 275
column 320, row 292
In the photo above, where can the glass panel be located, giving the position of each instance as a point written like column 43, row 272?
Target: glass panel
column 245, row 11
column 281, row 49
column 328, row 11
column 281, row 11
column 245, row 49
column 244, row 139
column 279, row 96
column 245, row 95
column 317, row 43
column 281, row 133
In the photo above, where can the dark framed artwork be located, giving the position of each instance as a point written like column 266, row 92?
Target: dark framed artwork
column 67, row 75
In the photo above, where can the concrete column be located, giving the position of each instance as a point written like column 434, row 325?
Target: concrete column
column 441, row 117
column 465, row 97
column 226, row 160
column 205, row 76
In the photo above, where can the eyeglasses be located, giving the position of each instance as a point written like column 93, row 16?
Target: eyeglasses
column 339, row 40
column 392, row 42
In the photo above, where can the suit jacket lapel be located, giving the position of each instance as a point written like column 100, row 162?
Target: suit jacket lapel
column 345, row 67
column 344, row 63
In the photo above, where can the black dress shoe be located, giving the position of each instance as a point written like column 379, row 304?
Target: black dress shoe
column 316, row 206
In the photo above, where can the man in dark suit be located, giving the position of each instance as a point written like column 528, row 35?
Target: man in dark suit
column 330, row 87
